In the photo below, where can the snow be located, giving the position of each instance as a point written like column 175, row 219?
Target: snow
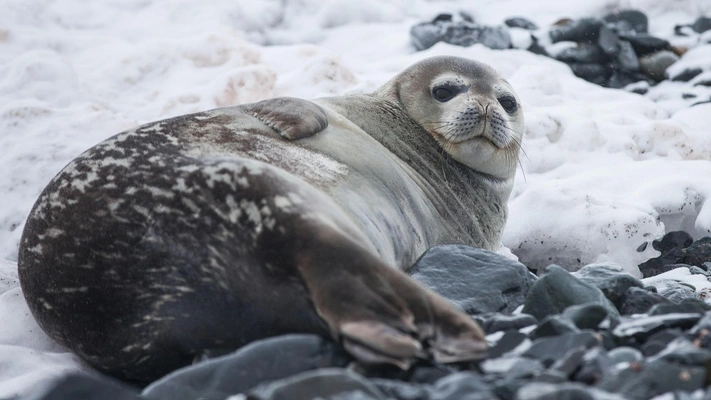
column 603, row 171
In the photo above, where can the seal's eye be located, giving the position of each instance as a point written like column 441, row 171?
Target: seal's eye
column 443, row 93
column 509, row 104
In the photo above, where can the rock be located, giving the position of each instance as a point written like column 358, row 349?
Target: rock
column 476, row 280
column 626, row 57
column 536, row 48
column 400, row 390
column 563, row 391
column 612, row 280
column 673, row 241
column 558, row 289
column 513, row 367
column 686, row 75
column 636, row 20
column 553, row 325
column 495, row 37
column 655, row 65
column 659, row 341
column 570, row 362
column 595, row 73
column 520, row 22
column 460, row 386
column 638, row 330
column 644, row 44
column 548, row 350
column 462, row 32
column 583, row 30
column 327, row 383
column 644, row 380
column 582, row 53
column 586, row 316
column 676, row 291
column 697, row 253
column 491, row 323
column 703, row 326
column 608, row 41
column 259, row 362
column 701, row 25
column 624, row 354
column 638, row 301
column 620, row 79
column 508, row 342
column 429, row 373
column 688, row 305
column 594, row 363
column 85, row 387
column 426, row 34
column 681, row 351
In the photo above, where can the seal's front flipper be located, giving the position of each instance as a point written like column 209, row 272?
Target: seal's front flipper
column 292, row 118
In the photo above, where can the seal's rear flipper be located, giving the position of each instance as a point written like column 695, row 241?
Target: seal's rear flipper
column 292, row 118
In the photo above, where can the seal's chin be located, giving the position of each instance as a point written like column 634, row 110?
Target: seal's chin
column 484, row 155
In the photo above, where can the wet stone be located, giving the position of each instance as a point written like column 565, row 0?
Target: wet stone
column 462, row 385
column 585, row 316
column 430, row 373
column 558, row 289
column 259, row 362
column 637, row 301
column 591, row 72
column 701, row 25
column 682, row 351
column 508, row 342
column 640, row 329
column 636, row 20
column 608, row 41
column 476, row 280
column 84, row 386
column 570, row 362
column 619, row 79
column 673, row 241
column 624, row 354
column 644, row 44
column 626, row 57
column 513, row 367
column 676, row 292
column 659, row 341
column 549, row 350
column 655, row 65
column 520, row 22
column 594, row 363
column 545, row 391
column 582, row 53
column 491, row 323
column 644, row 380
column 400, row 390
column 583, row 30
column 321, row 383
column 704, row 324
column 610, row 279
column 553, row 325
column 688, row 305
column 687, row 75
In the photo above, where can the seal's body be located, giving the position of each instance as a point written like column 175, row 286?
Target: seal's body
column 211, row 230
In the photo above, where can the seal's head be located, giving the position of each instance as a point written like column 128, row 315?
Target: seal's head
column 472, row 112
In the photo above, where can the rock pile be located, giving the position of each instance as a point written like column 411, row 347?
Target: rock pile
column 614, row 51
column 598, row 333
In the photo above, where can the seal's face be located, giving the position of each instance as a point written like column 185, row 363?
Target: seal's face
column 471, row 111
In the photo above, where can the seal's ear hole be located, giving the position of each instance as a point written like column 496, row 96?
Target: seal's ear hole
column 509, row 104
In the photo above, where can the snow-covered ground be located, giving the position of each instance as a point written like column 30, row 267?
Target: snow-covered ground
column 603, row 171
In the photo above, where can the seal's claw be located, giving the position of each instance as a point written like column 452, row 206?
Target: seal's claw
column 373, row 342
column 450, row 350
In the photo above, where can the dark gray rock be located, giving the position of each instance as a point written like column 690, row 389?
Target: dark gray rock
column 703, row 325
column 85, row 387
column 509, row 341
column 551, row 376
column 637, row 301
column 536, row 48
column 495, row 322
column 570, row 362
column 513, row 367
column 636, row 20
column 426, row 34
column 462, row 33
column 619, row 79
column 429, row 374
column 549, row 350
column 626, row 57
column 582, row 53
column 562, row 391
column 612, row 280
column 659, row 341
column 682, row 351
column 495, row 37
column 476, row 280
column 697, row 253
column 688, row 305
column 326, row 383
column 520, row 22
column 594, row 364
column 553, row 325
column 586, row 316
column 655, row 65
column 644, row 380
column 676, row 292
column 400, row 390
column 644, row 44
column 686, row 75
column 583, row 30
column 640, row 329
column 595, row 73
column 259, row 362
column 608, row 41
column 462, row 385
column 673, row 241
column 558, row 289
column 624, row 354
column 701, row 25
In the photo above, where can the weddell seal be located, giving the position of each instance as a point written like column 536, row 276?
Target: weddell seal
column 211, row 230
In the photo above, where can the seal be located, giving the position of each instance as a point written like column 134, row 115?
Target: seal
column 211, row 230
